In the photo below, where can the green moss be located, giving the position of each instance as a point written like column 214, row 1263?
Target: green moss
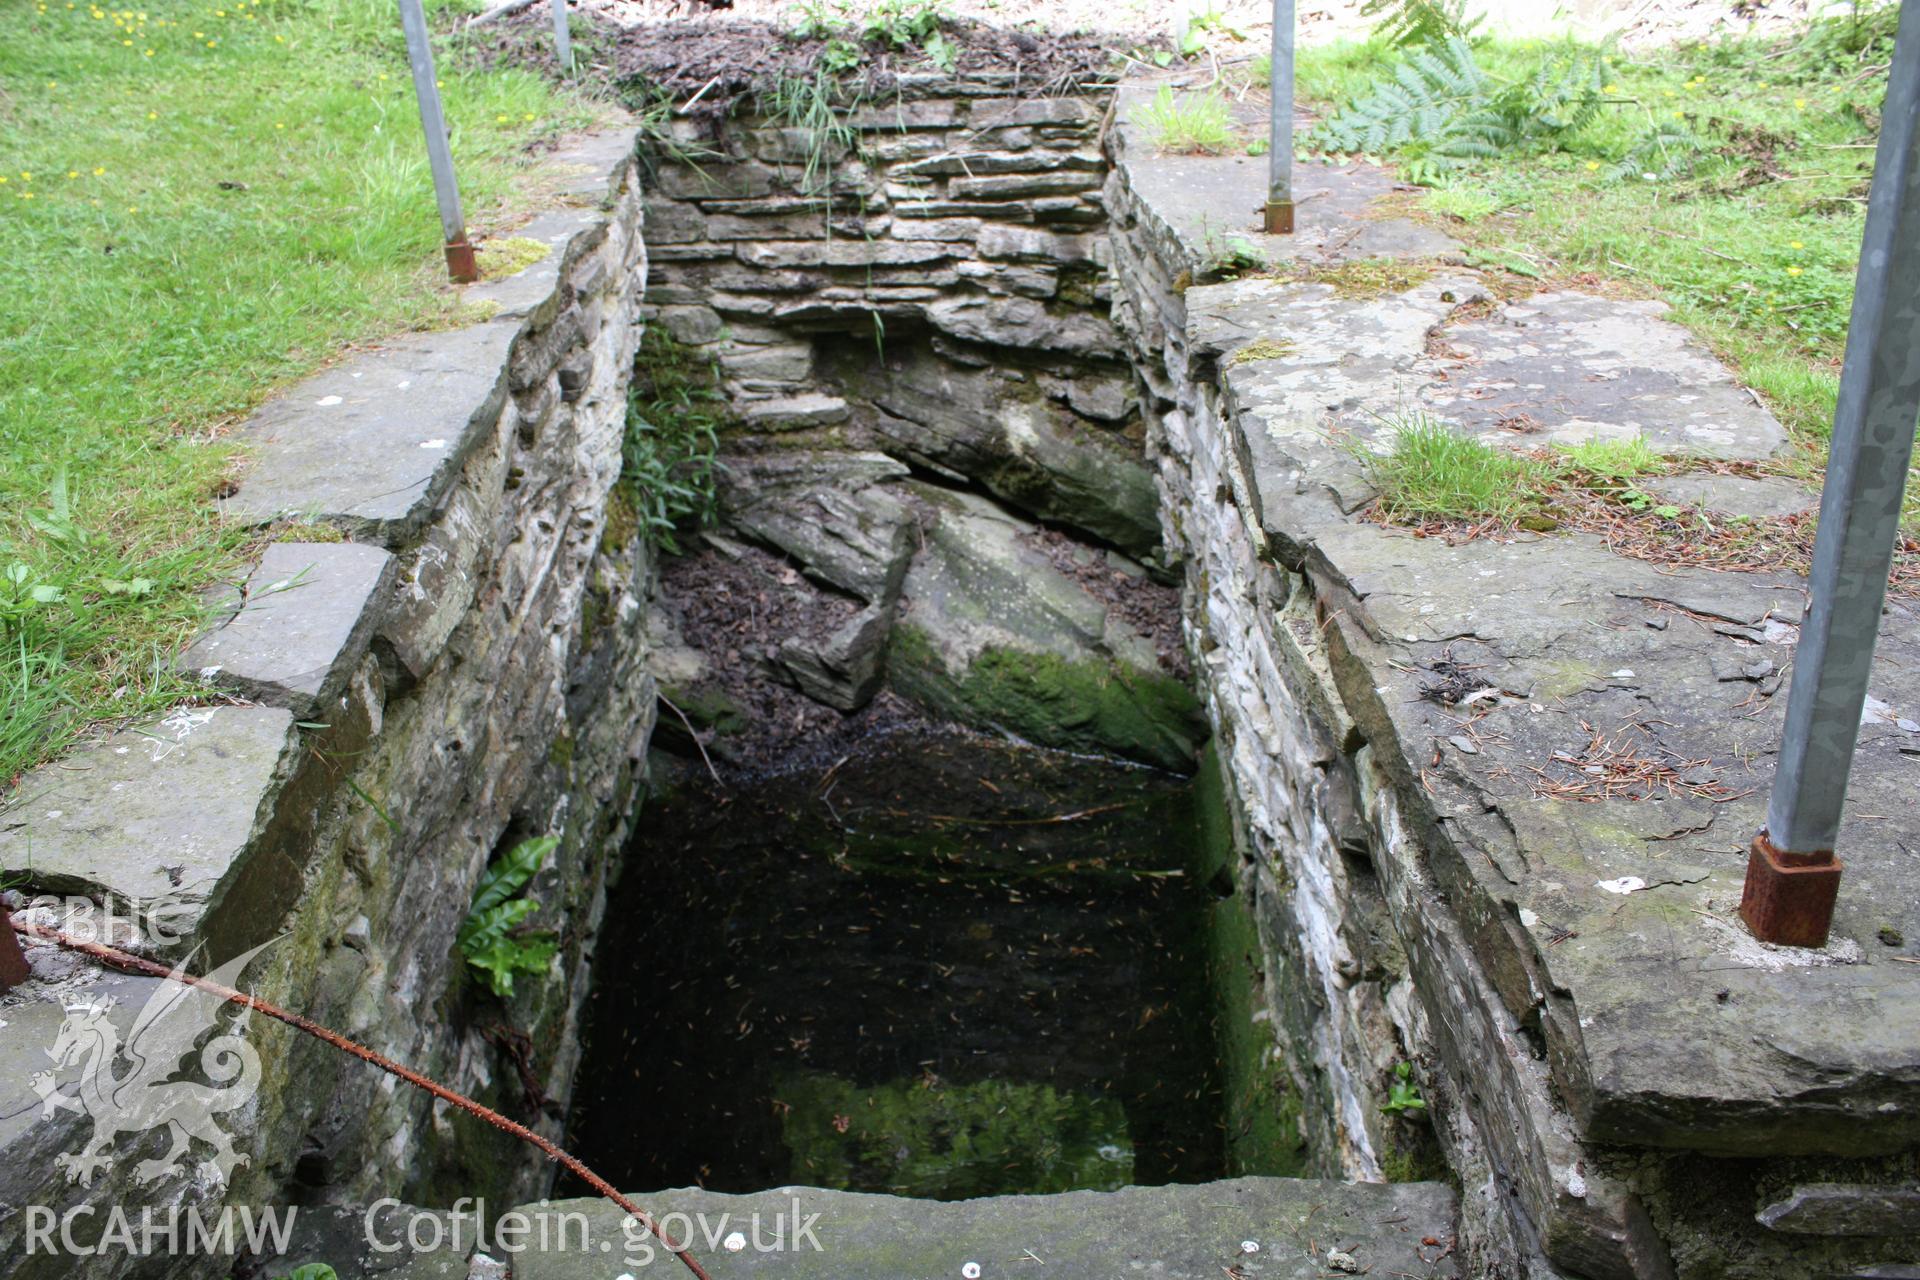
column 924, row 1137
column 1087, row 706
column 508, row 256
column 1261, row 349
column 1372, row 277
column 1412, row 1154
column 1261, row 1105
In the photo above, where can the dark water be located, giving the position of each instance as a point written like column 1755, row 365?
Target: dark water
column 943, row 967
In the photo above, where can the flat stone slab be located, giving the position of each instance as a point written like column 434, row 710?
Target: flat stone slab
column 159, row 813
column 1757, row 498
column 532, row 288
column 1297, row 1230
column 1206, row 201
column 306, row 612
column 1564, row 368
column 1532, row 679
column 374, row 442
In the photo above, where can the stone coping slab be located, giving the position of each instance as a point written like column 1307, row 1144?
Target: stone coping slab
column 1203, row 202
column 305, row 608
column 158, row 817
column 1525, row 680
column 1298, row 1229
column 374, row 442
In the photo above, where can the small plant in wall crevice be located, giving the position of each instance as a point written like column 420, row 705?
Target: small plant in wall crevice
column 493, row 937
column 1403, row 1094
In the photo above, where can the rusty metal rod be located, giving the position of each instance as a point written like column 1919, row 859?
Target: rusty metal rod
column 136, row 964
column 1793, row 874
column 1279, row 210
column 433, row 123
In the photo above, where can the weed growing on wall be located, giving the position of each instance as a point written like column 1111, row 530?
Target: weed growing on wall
column 669, row 468
column 1187, row 123
column 493, row 937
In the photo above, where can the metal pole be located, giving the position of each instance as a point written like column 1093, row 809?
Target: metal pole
column 446, row 189
column 1280, row 135
column 562, row 38
column 1793, row 875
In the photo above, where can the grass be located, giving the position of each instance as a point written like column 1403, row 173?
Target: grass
column 1431, row 473
column 199, row 203
column 1188, row 124
column 1753, row 239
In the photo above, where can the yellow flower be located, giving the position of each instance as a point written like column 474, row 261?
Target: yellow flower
column 25, row 176
column 499, row 119
column 1592, row 165
column 199, row 35
column 278, row 125
column 1610, row 90
column 1670, row 93
column 153, row 115
column 1799, row 104
column 212, row 43
column 98, row 171
column 529, row 115
column 1793, row 271
column 26, row 195
column 149, row 53
column 1795, row 244
column 73, row 173
column 1679, row 115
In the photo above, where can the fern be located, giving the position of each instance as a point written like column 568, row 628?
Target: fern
column 1439, row 109
column 1665, row 150
column 1426, row 102
column 1420, row 22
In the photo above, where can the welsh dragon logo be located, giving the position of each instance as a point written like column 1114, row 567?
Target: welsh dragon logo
column 129, row 1087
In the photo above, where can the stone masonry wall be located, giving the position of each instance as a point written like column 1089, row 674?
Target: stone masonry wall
column 932, row 284
column 439, row 655
column 1623, row 1081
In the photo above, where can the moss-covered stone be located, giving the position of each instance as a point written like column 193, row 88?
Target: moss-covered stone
column 1089, row 705
column 1262, row 1107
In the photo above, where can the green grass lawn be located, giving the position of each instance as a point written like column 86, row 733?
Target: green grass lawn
column 198, row 203
column 1753, row 238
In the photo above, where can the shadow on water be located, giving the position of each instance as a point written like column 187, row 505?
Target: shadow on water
column 946, row 966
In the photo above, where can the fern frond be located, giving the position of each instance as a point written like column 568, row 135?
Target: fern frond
column 1420, row 22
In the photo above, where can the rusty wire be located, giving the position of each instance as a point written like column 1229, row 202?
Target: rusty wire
column 135, row 964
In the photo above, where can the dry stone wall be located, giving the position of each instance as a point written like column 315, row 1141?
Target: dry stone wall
column 1419, row 732
column 441, row 656
column 932, row 285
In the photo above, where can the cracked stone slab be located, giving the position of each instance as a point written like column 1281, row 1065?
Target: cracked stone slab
column 1609, row 916
column 374, row 443
column 1198, row 203
column 1757, row 498
column 163, row 812
column 1583, row 368
column 304, row 617
column 534, row 287
column 1612, row 916
column 1262, row 1228
column 834, row 513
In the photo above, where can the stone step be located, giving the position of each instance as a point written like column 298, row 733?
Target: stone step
column 1251, row 1228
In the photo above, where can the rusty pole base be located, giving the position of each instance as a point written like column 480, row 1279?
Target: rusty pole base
column 1279, row 217
column 1788, row 899
column 460, row 263
column 13, row 961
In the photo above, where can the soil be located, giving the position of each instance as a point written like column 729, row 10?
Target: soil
column 736, row 606
column 706, row 63
column 1149, row 607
